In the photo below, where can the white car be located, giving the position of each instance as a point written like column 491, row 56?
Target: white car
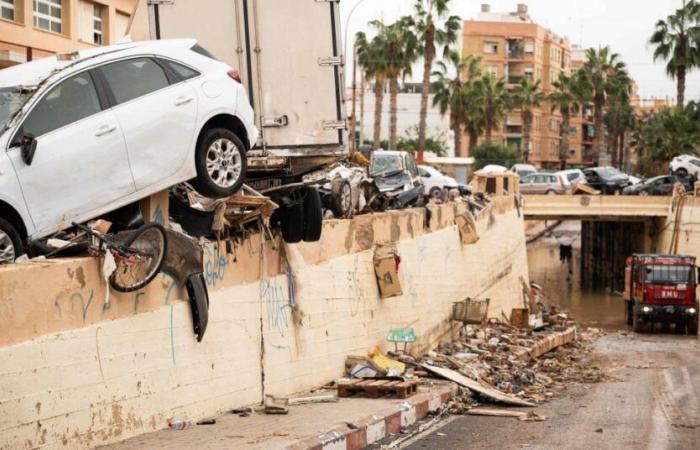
column 574, row 176
column 685, row 165
column 435, row 181
column 85, row 133
column 523, row 170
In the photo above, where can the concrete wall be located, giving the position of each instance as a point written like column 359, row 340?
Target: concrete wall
column 689, row 235
column 76, row 374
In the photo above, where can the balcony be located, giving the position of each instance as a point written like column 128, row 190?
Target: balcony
column 515, row 79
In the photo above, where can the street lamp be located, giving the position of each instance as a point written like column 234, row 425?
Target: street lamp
column 353, row 116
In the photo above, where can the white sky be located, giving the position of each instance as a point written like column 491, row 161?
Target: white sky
column 624, row 25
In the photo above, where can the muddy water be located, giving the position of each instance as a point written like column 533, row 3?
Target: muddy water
column 561, row 280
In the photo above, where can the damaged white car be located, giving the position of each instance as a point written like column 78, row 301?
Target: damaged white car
column 86, row 133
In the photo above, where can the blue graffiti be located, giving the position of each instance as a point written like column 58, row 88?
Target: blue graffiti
column 84, row 301
column 279, row 311
column 171, row 287
column 215, row 264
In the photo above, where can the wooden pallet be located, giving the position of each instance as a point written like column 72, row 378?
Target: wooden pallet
column 377, row 388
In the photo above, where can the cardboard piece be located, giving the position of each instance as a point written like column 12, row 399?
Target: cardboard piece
column 482, row 388
column 386, row 268
column 467, row 228
column 519, row 317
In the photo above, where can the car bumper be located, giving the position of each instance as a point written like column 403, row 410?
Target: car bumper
column 661, row 313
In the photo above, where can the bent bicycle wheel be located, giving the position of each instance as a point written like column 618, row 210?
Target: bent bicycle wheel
column 142, row 258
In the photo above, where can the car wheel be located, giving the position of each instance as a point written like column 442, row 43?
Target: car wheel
column 644, row 193
column 551, row 192
column 341, row 203
column 10, row 243
column 435, row 192
column 682, row 172
column 313, row 215
column 292, row 223
column 221, row 163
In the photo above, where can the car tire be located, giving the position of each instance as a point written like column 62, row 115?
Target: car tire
column 223, row 175
column 292, row 223
column 11, row 246
column 313, row 215
column 644, row 193
column 341, row 199
column 682, row 172
column 435, row 192
column 551, row 192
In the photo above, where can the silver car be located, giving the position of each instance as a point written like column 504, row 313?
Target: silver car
column 544, row 183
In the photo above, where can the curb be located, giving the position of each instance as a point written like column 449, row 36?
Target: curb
column 361, row 433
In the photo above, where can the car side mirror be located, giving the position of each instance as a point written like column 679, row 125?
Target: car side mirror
column 28, row 148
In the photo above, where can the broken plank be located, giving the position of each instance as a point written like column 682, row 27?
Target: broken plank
column 475, row 386
column 497, row 412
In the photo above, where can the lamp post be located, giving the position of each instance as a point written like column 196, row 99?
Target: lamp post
column 353, row 116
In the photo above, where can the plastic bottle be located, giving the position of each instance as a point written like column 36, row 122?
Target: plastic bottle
column 179, row 424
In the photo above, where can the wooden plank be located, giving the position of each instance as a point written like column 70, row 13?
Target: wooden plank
column 475, row 386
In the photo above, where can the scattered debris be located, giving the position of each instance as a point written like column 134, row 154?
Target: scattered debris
column 386, row 268
column 328, row 398
column 179, row 424
column 276, row 405
column 390, row 367
column 207, row 422
column 375, row 388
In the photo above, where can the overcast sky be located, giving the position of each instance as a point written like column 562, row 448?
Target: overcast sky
column 625, row 25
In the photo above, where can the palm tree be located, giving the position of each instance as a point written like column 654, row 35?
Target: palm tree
column 493, row 100
column 371, row 57
column 619, row 119
column 677, row 41
column 527, row 96
column 565, row 98
column 599, row 76
column 399, row 51
column 452, row 93
column 432, row 26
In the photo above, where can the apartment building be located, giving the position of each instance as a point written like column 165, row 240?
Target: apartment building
column 31, row 29
column 514, row 47
column 582, row 130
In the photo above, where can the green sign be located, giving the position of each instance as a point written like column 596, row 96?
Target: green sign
column 401, row 335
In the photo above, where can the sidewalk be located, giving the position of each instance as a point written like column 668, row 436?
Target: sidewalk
column 349, row 424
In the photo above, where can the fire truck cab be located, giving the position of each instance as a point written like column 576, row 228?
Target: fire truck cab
column 661, row 289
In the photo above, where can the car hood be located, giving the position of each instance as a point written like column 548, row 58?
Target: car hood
column 618, row 179
column 392, row 181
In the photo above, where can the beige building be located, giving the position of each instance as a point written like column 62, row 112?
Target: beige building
column 31, row 29
column 514, row 47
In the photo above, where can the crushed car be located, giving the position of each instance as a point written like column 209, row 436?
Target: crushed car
column 394, row 181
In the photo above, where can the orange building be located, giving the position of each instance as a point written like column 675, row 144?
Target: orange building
column 514, row 47
column 31, row 29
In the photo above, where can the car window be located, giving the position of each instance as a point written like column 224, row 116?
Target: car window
column 695, row 162
column 68, row 102
column 551, row 179
column 184, row 72
column 384, row 163
column 411, row 165
column 133, row 78
column 572, row 176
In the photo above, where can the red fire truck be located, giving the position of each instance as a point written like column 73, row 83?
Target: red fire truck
column 661, row 289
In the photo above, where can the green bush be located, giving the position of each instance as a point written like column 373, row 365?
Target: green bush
column 490, row 153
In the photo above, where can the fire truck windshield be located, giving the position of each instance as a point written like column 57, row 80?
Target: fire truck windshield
column 666, row 274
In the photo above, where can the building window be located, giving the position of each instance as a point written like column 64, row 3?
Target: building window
column 492, row 70
column 529, row 47
column 490, row 47
column 97, row 24
column 47, row 15
column 7, row 9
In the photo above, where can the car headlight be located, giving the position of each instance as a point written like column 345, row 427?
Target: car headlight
column 691, row 311
column 646, row 309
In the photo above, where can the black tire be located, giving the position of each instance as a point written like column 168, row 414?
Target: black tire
column 551, row 192
column 435, row 192
column 693, row 327
column 341, row 198
column 682, row 172
column 637, row 323
column 11, row 246
column 134, row 239
column 292, row 223
column 204, row 183
column 313, row 215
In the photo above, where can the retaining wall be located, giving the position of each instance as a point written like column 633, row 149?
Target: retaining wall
column 77, row 374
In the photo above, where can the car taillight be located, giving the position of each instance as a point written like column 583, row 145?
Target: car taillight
column 235, row 75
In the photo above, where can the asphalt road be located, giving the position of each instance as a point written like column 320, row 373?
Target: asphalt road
column 650, row 402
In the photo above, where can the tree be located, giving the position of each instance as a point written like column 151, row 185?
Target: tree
column 619, row 119
column 527, row 96
column 490, row 153
column 371, row 57
column 452, row 92
column 493, row 100
column 399, row 48
column 566, row 98
column 433, row 27
column 677, row 41
column 600, row 75
column 662, row 135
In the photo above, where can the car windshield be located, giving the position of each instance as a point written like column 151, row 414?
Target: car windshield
column 608, row 172
column 11, row 100
column 665, row 274
column 384, row 163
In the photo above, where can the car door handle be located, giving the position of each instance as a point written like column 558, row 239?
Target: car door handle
column 105, row 129
column 182, row 100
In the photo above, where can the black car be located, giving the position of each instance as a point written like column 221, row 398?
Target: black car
column 661, row 185
column 607, row 180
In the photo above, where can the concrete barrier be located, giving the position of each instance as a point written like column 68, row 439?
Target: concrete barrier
column 77, row 374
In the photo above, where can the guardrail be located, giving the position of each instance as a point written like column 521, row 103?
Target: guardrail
column 594, row 207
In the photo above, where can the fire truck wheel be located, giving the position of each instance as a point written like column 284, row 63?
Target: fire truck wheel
column 638, row 324
column 693, row 327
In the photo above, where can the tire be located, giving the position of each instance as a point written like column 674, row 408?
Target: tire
column 644, row 193
column 150, row 238
column 224, row 175
column 682, row 172
column 551, row 192
column 313, row 215
column 693, row 327
column 435, row 192
column 11, row 246
column 292, row 223
column 341, row 199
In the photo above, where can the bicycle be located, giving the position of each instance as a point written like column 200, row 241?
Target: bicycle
column 138, row 254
